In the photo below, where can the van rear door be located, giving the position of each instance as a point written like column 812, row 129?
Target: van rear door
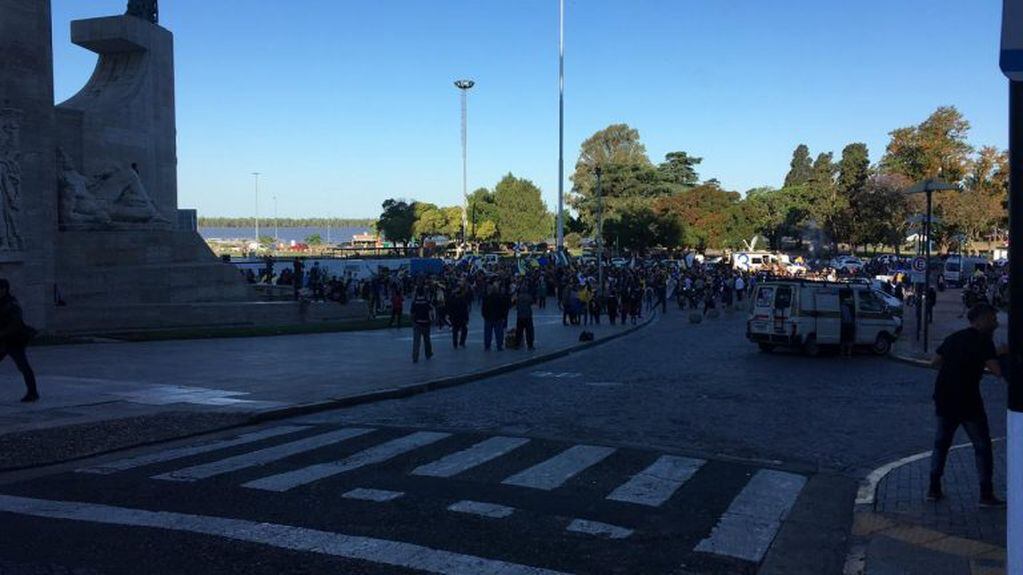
column 828, row 315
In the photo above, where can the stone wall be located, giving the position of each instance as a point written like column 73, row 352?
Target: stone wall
column 28, row 202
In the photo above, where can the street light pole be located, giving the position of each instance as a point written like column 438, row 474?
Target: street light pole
column 1011, row 62
column 464, row 86
column 600, row 237
column 256, row 176
column 927, row 273
column 561, row 126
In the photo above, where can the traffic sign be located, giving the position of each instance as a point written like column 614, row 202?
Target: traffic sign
column 920, row 264
column 1012, row 39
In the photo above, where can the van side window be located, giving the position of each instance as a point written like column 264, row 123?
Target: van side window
column 870, row 303
column 765, row 296
column 784, row 298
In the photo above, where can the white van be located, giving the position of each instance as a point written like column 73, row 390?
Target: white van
column 808, row 315
column 754, row 261
column 958, row 269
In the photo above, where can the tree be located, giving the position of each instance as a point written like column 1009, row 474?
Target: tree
column 935, row 148
column 882, row 209
column 627, row 169
column 801, row 167
column 521, row 213
column 453, row 221
column 430, row 220
column 825, row 205
column 481, row 208
column 486, row 231
column 706, row 214
column 679, row 168
column 314, row 240
column 774, row 213
column 638, row 228
column 853, row 169
column 396, row 221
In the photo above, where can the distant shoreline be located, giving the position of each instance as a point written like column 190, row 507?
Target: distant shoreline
column 209, row 222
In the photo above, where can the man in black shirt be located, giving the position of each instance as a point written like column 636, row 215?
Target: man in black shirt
column 962, row 358
column 422, row 314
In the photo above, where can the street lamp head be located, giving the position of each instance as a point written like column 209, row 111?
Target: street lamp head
column 464, row 84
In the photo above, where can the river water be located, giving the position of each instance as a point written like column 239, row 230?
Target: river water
column 287, row 235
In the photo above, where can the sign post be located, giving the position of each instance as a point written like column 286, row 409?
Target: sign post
column 1011, row 61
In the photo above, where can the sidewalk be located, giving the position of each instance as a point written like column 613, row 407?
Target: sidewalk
column 900, row 532
column 99, row 397
column 946, row 321
column 897, row 531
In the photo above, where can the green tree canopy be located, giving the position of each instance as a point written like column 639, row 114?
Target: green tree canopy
column 801, row 167
column 639, row 228
column 396, row 221
column 521, row 213
column 936, row 147
column 679, row 168
column 627, row 170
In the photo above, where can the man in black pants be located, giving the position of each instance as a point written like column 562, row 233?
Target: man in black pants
column 14, row 337
column 962, row 358
column 458, row 313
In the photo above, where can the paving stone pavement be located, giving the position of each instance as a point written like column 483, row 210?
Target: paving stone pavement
column 902, row 533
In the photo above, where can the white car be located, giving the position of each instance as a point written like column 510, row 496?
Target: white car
column 848, row 263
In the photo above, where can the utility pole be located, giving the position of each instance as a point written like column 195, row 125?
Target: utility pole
column 560, row 240
column 464, row 86
column 256, row 176
column 600, row 236
column 1012, row 65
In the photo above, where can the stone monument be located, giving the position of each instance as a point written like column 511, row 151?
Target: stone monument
column 28, row 214
column 88, row 188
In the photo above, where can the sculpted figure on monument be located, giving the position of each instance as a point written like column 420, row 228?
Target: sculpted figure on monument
column 145, row 9
column 113, row 199
column 10, row 179
column 79, row 207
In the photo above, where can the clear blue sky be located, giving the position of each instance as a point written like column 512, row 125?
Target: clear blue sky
column 343, row 103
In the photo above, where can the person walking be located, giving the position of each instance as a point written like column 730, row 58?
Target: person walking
column 397, row 304
column 524, row 318
column 14, row 337
column 961, row 360
column 458, row 314
column 422, row 316
column 492, row 326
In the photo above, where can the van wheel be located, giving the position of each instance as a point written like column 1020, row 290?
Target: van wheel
column 882, row 345
column 810, row 346
column 766, row 347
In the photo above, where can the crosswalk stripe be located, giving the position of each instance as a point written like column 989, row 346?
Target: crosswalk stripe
column 262, row 456
column 657, row 483
column 378, row 495
column 182, row 452
column 371, row 456
column 750, row 523
column 554, row 472
column 491, row 510
column 598, row 528
column 381, row 551
column 474, row 456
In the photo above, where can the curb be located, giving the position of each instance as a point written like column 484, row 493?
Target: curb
column 360, row 399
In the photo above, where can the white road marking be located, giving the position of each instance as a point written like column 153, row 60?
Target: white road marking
column 491, row 510
column 261, row 457
column 380, row 551
column 657, row 483
column 371, row 456
column 378, row 495
column 554, row 472
column 750, row 523
column 180, row 453
column 598, row 528
column 474, row 456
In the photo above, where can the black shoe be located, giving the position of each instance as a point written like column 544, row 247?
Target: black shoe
column 991, row 501
column 30, row 397
column 935, row 493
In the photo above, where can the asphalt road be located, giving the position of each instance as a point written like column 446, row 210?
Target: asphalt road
column 680, row 449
